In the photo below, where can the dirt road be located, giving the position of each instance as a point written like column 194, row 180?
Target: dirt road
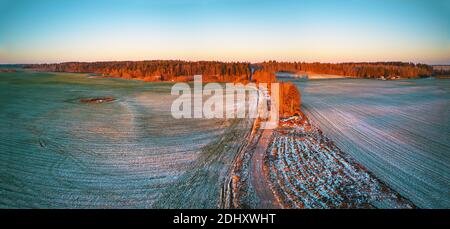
column 258, row 172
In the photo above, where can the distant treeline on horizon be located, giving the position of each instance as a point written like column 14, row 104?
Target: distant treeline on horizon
column 178, row 70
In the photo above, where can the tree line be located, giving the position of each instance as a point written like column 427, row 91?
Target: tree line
column 441, row 70
column 155, row 70
column 357, row 70
column 177, row 70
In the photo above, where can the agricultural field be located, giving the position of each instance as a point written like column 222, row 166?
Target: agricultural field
column 398, row 130
column 78, row 141
column 308, row 171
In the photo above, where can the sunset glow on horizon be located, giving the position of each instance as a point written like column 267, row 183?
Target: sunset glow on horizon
column 305, row 30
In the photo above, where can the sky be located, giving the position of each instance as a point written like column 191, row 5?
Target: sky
column 49, row 31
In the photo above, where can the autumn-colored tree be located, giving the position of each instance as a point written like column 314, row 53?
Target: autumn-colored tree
column 290, row 100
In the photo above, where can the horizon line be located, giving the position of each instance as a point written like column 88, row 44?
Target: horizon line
column 224, row 61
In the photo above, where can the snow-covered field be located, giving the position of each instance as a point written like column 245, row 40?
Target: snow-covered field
column 309, row 171
column 56, row 152
column 398, row 130
column 324, row 76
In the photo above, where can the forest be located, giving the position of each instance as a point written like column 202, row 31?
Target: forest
column 441, row 71
column 178, row 70
column 357, row 70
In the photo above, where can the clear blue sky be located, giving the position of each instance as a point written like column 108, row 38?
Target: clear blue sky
column 36, row 31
